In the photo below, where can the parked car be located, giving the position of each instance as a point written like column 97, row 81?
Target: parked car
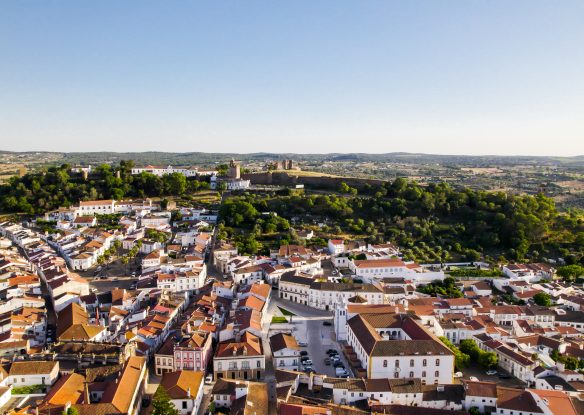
column 309, row 369
column 208, row 379
column 331, row 351
column 474, row 379
column 303, row 353
column 491, row 372
column 327, row 361
column 340, row 371
column 327, row 323
column 504, row 376
column 307, row 362
column 302, row 344
column 338, row 363
column 304, row 358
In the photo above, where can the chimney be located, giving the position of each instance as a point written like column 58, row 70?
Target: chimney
column 189, row 392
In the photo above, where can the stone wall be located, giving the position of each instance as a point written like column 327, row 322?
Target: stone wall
column 289, row 179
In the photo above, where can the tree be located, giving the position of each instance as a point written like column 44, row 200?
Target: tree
column 488, row 360
column 174, row 184
column 125, row 261
column 570, row 273
column 70, row 411
column 474, row 411
column 543, row 299
column 469, row 347
column 162, row 404
column 461, row 359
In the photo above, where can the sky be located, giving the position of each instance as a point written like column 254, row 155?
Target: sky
column 303, row 76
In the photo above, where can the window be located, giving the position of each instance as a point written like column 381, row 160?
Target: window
column 396, row 375
column 411, row 362
column 397, row 363
column 436, row 374
column 425, row 362
column 385, row 363
column 411, row 374
column 184, row 404
column 424, row 374
column 258, row 363
column 437, row 362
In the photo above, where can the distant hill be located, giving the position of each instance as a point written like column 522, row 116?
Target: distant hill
column 199, row 158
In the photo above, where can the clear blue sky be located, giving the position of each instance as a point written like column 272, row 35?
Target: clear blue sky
column 449, row 77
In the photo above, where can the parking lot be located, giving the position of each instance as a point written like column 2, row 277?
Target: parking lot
column 480, row 373
column 315, row 329
column 114, row 275
column 111, row 283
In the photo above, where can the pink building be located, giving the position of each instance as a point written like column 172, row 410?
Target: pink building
column 193, row 353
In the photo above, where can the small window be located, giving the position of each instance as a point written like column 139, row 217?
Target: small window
column 385, row 363
column 411, row 362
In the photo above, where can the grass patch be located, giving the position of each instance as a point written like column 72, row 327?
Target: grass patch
column 286, row 312
column 279, row 320
column 26, row 390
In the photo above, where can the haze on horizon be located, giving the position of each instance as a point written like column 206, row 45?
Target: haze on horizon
column 449, row 77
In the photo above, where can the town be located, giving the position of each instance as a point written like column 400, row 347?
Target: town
column 161, row 305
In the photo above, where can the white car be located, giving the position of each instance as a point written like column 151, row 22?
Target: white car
column 491, row 372
column 302, row 344
column 458, row 375
column 474, row 379
column 339, row 371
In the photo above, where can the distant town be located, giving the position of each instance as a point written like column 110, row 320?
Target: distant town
column 226, row 288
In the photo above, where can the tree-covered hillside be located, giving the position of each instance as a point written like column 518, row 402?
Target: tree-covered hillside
column 51, row 188
column 453, row 223
column 432, row 223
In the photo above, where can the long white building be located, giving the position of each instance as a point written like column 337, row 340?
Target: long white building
column 396, row 346
column 325, row 295
column 162, row 170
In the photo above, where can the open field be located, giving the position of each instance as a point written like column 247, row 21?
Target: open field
column 9, row 170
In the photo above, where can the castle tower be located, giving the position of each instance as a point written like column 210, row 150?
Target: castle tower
column 234, row 170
